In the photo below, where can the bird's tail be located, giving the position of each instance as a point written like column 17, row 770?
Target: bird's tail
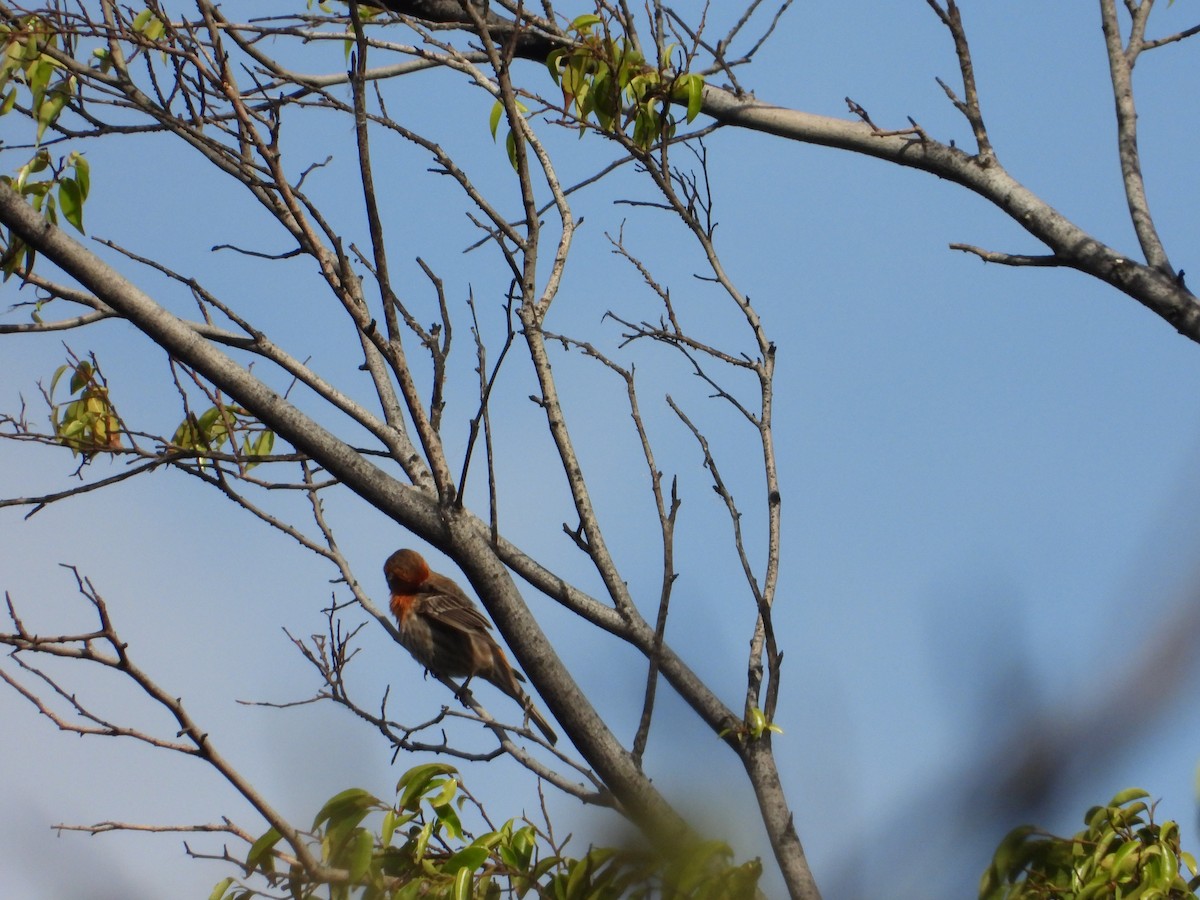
column 540, row 721
column 508, row 679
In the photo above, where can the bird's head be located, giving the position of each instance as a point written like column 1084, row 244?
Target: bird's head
column 405, row 570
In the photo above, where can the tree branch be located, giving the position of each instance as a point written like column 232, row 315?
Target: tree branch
column 1160, row 292
column 1121, row 60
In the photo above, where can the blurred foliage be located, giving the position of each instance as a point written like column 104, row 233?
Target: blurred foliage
column 419, row 847
column 1121, row 854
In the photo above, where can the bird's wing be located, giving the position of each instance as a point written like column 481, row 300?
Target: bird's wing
column 447, row 604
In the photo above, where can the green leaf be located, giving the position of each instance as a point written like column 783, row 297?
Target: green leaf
column 470, row 858
column 422, row 841
column 70, row 199
column 361, row 853
column 585, row 23
column 13, row 257
column 1189, row 861
column 155, row 29
column 186, row 436
column 104, row 57
column 1012, row 853
column 49, row 109
column 219, row 891
column 259, row 446
column 446, row 794
column 58, row 373
column 494, row 118
column 510, row 144
column 1125, row 860
column 208, row 418
column 553, row 62
column 390, row 821
column 81, row 377
column 646, row 127
column 83, row 172
column 38, row 164
column 462, row 885
column 413, row 783
column 449, row 819
column 260, row 856
column 695, row 95
column 1129, row 794
column 349, row 802
column 517, row 850
column 37, row 77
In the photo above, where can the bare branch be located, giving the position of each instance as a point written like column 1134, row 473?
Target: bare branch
column 117, row 658
column 1121, row 59
column 225, row 827
column 1010, row 259
column 969, row 106
column 41, row 502
column 1171, row 39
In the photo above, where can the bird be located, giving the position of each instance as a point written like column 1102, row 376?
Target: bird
column 446, row 633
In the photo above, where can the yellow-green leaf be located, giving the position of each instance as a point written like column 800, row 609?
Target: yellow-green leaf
column 413, row 783
column 83, row 172
column 350, row 801
column 70, row 199
column 260, row 856
column 695, row 96
column 155, row 29
column 494, row 118
column 81, row 377
column 48, row 111
column 510, row 144
column 462, row 884
column 586, row 22
column 361, row 855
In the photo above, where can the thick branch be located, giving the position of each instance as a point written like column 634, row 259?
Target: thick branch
column 526, row 41
column 1158, row 291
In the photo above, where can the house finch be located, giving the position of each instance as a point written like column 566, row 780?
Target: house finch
column 446, row 633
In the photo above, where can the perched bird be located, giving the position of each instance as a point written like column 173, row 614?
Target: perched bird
column 447, row 634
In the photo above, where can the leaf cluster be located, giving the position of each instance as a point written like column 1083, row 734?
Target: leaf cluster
column 27, row 67
column 27, row 64
column 1121, row 854
column 222, row 425
column 420, row 848
column 89, row 423
column 608, row 80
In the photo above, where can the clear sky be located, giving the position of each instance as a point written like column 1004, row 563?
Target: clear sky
column 988, row 474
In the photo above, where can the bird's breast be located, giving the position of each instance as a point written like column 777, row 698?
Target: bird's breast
column 401, row 606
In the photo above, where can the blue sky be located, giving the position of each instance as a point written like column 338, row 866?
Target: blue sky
column 988, row 473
